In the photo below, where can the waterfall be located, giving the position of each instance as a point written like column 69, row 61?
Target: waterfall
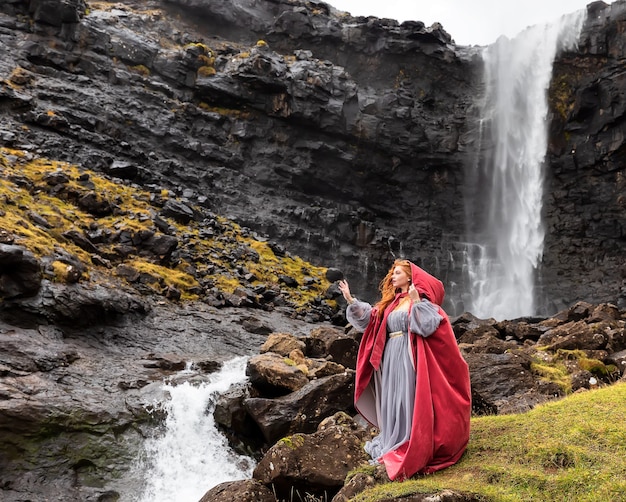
column 192, row 456
column 505, row 184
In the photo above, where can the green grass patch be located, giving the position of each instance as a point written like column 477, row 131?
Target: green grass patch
column 566, row 450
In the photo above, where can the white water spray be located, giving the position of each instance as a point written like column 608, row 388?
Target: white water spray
column 505, row 227
column 193, row 456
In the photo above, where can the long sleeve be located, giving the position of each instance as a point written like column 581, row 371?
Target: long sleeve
column 358, row 314
column 424, row 318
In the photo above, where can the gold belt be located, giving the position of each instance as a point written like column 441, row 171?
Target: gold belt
column 396, row 333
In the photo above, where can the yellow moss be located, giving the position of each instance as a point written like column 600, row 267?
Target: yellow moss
column 206, row 71
column 261, row 43
column 553, row 372
column 212, row 257
column 176, row 278
column 202, row 46
column 60, row 271
column 19, row 77
column 224, row 283
column 141, row 69
column 292, row 442
column 206, row 60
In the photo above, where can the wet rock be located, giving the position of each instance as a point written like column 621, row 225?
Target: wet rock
column 314, row 463
column 20, row 272
column 249, row 490
column 303, row 410
column 168, row 362
column 342, row 348
column 274, row 374
column 282, row 344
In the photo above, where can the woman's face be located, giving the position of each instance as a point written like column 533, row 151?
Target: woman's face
column 400, row 279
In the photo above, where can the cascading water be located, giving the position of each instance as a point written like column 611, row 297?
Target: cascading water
column 505, row 185
column 192, row 456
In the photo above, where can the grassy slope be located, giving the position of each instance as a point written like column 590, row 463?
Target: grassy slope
column 568, row 450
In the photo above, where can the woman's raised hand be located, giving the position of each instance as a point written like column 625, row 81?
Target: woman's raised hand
column 345, row 290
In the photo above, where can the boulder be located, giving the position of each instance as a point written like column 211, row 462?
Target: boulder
column 315, row 464
column 303, row 410
column 282, row 343
column 326, row 341
column 20, row 272
column 249, row 490
column 275, row 374
column 576, row 335
column 503, row 382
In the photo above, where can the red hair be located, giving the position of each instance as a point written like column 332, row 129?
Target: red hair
column 388, row 292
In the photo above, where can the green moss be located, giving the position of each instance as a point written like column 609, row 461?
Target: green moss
column 292, row 442
column 555, row 372
column 586, row 363
column 366, row 469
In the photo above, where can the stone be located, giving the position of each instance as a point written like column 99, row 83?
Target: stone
column 282, row 344
column 249, row 490
column 314, row 463
column 303, row 410
column 576, row 335
column 343, row 349
column 20, row 272
column 274, row 374
column 178, row 211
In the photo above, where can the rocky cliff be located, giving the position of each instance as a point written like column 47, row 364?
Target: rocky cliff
column 585, row 204
column 298, row 121
column 343, row 138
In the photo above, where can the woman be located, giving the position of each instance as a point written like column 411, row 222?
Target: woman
column 412, row 382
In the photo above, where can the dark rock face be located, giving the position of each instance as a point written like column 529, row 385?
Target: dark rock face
column 343, row 138
column 585, row 204
column 311, row 136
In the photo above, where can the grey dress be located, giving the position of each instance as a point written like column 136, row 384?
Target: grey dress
column 394, row 381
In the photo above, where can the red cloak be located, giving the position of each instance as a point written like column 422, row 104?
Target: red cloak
column 441, row 416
